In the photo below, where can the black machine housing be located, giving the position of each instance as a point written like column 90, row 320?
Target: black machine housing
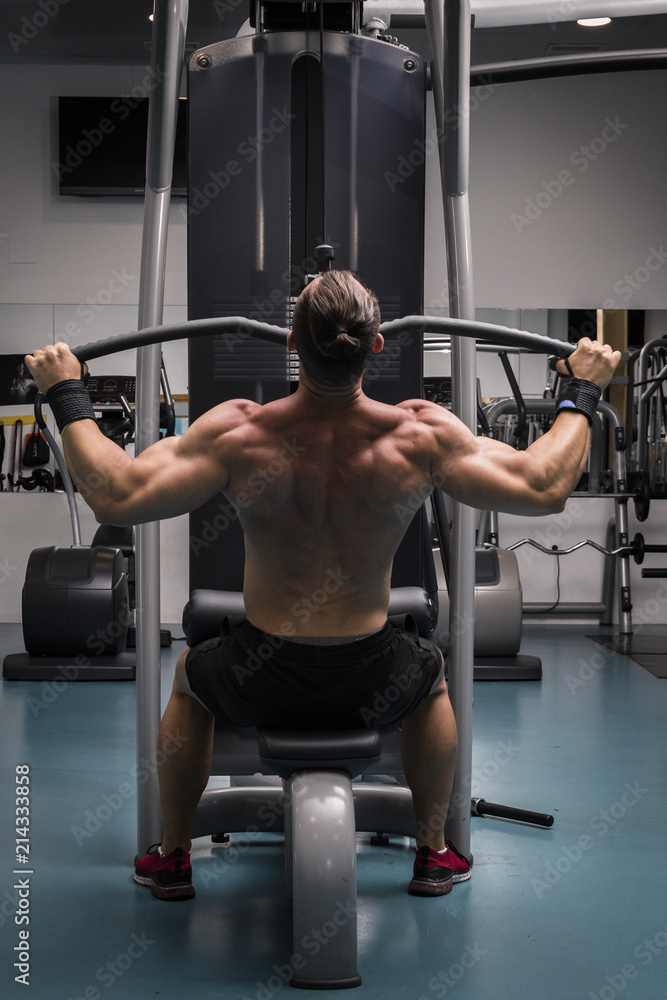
column 75, row 600
column 290, row 147
column 76, row 614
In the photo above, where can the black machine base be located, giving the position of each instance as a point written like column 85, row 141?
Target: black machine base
column 165, row 638
column 24, row 667
column 507, row 668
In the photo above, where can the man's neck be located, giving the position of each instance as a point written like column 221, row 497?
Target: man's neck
column 330, row 396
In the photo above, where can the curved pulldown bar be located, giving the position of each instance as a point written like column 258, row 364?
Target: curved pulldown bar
column 239, row 326
column 236, row 325
column 490, row 333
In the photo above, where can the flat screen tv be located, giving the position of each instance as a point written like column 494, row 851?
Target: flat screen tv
column 102, row 146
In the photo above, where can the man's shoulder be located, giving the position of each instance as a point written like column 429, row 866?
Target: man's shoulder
column 425, row 411
column 235, row 410
column 437, row 422
column 216, row 423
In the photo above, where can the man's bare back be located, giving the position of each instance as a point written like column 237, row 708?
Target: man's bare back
column 325, row 484
column 324, row 499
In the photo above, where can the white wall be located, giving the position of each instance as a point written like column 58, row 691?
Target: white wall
column 582, row 241
column 76, row 245
column 69, row 270
column 69, row 267
column 541, row 245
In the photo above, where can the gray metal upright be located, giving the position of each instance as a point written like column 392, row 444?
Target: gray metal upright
column 449, row 29
column 169, row 28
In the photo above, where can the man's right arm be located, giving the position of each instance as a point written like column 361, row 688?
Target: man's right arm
column 171, row 477
column 490, row 475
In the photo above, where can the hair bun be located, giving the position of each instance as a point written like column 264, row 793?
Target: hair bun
column 342, row 345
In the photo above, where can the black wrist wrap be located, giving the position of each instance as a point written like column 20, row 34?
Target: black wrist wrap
column 69, row 401
column 580, row 395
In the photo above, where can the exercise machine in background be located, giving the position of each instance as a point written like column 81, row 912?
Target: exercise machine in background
column 78, row 603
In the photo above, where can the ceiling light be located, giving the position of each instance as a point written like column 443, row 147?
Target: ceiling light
column 594, row 22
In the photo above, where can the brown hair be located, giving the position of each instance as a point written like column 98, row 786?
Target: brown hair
column 336, row 322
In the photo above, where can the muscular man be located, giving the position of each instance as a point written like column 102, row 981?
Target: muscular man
column 320, row 536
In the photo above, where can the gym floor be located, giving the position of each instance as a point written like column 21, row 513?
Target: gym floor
column 577, row 911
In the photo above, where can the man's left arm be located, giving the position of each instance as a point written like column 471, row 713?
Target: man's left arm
column 490, row 475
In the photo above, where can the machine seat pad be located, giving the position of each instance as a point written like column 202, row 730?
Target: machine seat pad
column 289, row 750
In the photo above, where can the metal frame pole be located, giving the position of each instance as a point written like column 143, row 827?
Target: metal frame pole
column 449, row 29
column 169, row 28
column 504, row 13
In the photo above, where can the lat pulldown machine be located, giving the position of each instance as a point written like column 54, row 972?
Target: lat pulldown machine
column 298, row 63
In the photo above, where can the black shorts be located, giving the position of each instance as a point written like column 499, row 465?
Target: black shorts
column 250, row 678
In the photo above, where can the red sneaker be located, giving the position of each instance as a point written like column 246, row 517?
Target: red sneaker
column 169, row 877
column 434, row 874
column 457, row 862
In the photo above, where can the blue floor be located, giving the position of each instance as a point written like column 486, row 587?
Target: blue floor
column 577, row 911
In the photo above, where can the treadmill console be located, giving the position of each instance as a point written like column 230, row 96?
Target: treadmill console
column 108, row 389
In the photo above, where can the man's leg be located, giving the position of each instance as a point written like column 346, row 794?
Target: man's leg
column 186, row 741
column 428, row 752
